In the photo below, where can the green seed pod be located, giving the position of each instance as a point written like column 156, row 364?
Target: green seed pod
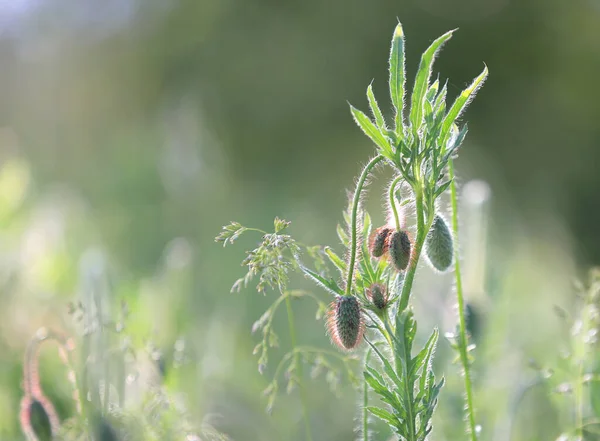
column 438, row 245
column 399, row 247
column 377, row 294
column 378, row 242
column 345, row 323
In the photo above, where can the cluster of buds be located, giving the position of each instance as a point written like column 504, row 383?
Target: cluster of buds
column 395, row 243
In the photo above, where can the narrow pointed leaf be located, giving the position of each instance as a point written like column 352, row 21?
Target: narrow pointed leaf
column 336, row 260
column 387, row 367
column 461, row 103
column 375, row 108
column 384, row 415
column 370, row 130
column 327, row 284
column 422, row 81
column 397, row 75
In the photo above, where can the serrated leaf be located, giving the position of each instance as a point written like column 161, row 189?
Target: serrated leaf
column 397, row 76
column 375, row 108
column 422, row 81
column 384, row 415
column 370, row 130
column 461, row 103
column 429, row 350
column 378, row 385
column 329, row 285
column 387, row 367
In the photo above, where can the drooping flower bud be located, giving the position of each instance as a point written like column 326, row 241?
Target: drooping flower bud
column 39, row 420
column 399, row 248
column 377, row 294
column 378, row 242
column 345, row 323
column 438, row 245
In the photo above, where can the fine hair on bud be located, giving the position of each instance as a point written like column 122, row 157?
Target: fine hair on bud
column 377, row 294
column 439, row 247
column 399, row 248
column 378, row 243
column 38, row 418
column 345, row 322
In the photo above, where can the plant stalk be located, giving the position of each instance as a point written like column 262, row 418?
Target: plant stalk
column 418, row 246
column 356, row 199
column 290, row 314
column 393, row 201
column 461, row 308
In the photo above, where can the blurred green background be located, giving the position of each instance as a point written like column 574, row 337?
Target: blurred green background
column 134, row 129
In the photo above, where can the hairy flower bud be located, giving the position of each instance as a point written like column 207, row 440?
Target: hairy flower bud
column 438, row 245
column 377, row 294
column 345, row 323
column 399, row 248
column 378, row 243
column 39, row 420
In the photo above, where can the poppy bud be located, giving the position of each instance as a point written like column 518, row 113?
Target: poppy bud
column 377, row 294
column 39, row 420
column 345, row 323
column 378, row 245
column 438, row 245
column 399, row 247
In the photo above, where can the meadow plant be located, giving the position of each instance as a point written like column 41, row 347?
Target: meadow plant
column 119, row 391
column 372, row 293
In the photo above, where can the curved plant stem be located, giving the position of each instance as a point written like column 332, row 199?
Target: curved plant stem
column 290, row 313
column 393, row 201
column 422, row 230
column 356, row 199
column 461, row 308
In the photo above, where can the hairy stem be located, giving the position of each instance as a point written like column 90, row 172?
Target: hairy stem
column 422, row 230
column 298, row 363
column 356, row 199
column 393, row 201
column 461, row 309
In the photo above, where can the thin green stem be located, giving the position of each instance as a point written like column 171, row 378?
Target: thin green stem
column 392, row 197
column 422, row 230
column 461, row 308
column 356, row 199
column 298, row 363
column 365, row 416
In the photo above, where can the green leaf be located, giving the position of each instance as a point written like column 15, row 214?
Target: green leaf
column 429, row 350
column 336, row 260
column 422, row 81
column 370, row 129
column 461, row 103
column 387, row 367
column 442, row 188
column 384, row 415
column 327, row 284
column 375, row 108
column 397, row 75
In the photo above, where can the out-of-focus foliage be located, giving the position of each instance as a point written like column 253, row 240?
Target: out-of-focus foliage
column 131, row 130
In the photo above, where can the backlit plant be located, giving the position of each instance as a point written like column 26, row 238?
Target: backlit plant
column 371, row 296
